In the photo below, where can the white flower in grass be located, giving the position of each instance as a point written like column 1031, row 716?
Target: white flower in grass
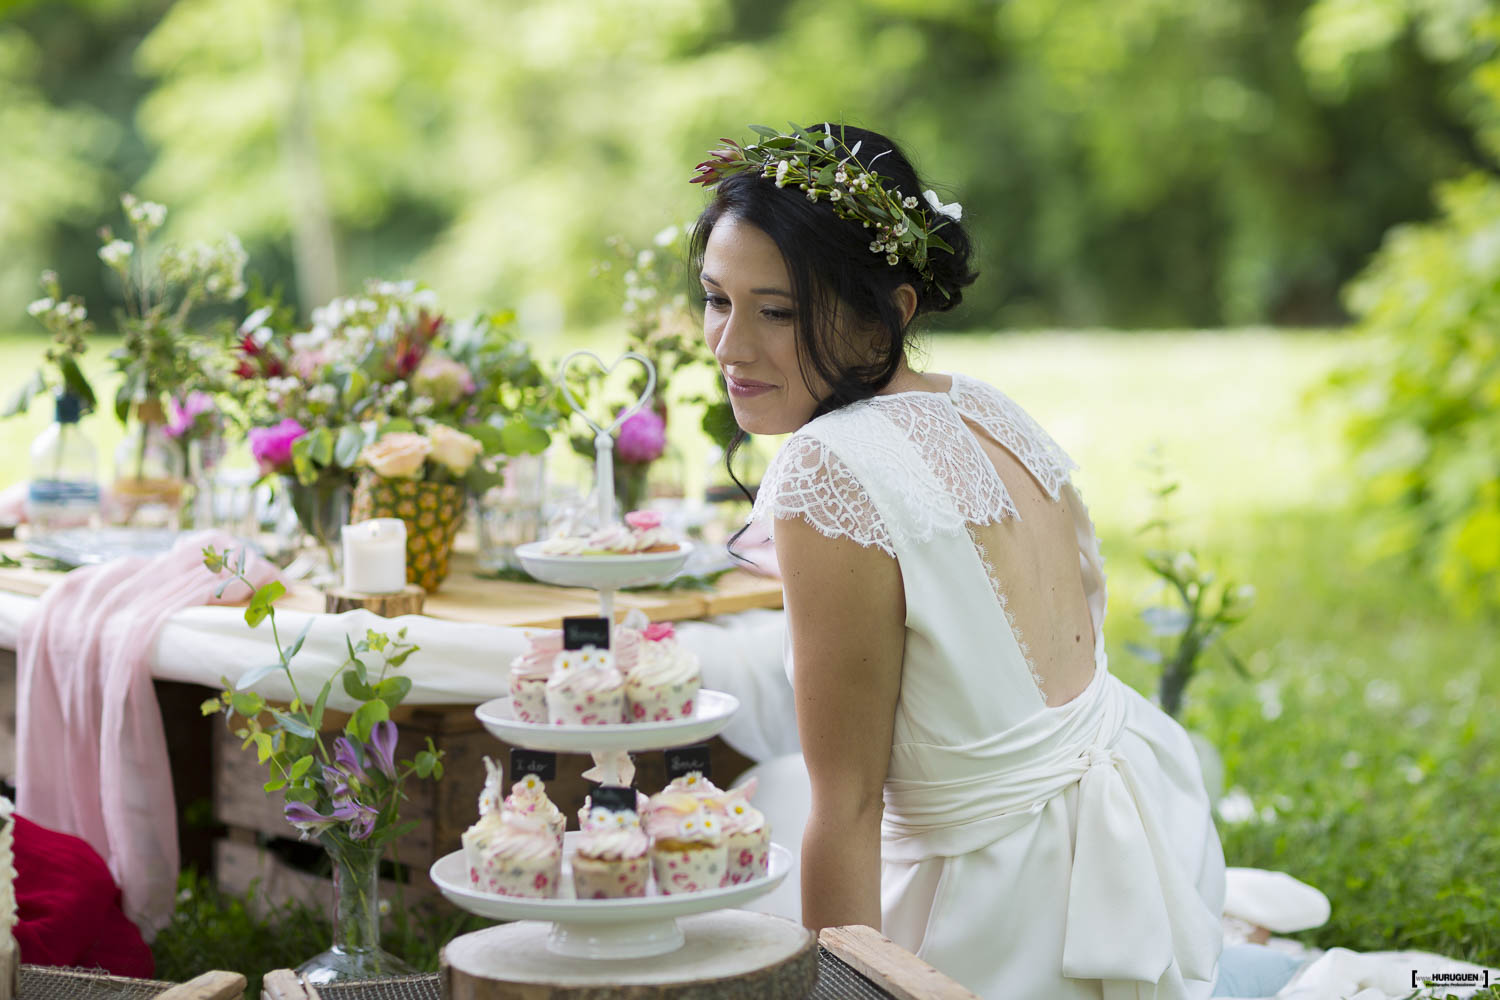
column 40, row 306
column 1236, row 807
column 384, row 906
column 1413, row 774
column 667, row 236
column 116, row 253
column 1351, row 760
column 1382, row 694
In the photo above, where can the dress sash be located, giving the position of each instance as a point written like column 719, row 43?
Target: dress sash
column 1131, row 907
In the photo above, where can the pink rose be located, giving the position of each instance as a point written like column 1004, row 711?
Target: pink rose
column 643, row 437
column 644, row 520
column 657, row 631
column 272, row 446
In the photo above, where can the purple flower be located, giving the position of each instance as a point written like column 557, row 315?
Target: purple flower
column 307, row 819
column 182, row 415
column 361, row 819
column 643, row 437
column 382, row 747
column 347, row 760
column 272, row 446
column 336, row 782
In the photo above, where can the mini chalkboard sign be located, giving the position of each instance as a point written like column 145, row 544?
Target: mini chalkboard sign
column 615, row 798
column 541, row 763
column 681, row 760
column 581, row 631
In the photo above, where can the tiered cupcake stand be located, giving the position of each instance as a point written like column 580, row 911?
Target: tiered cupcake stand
column 679, row 946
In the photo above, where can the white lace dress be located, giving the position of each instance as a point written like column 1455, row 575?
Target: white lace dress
column 1027, row 850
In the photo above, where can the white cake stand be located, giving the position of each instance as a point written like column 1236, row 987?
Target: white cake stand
column 712, row 711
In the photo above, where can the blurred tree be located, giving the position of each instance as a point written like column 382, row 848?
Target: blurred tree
column 1129, row 162
column 1425, row 428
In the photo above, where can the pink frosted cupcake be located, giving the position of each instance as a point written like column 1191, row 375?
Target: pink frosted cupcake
column 522, row 858
column 477, row 837
column 613, row 856
column 529, row 673
column 747, row 836
column 695, row 784
column 585, row 689
column 687, row 843
column 665, row 680
column 528, row 797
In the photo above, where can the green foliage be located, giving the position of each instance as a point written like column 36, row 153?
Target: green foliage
column 1123, row 161
column 1425, row 401
column 1194, row 614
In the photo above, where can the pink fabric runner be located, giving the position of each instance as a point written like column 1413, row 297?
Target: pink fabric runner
column 91, row 754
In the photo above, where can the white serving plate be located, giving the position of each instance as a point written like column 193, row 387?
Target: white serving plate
column 603, row 928
column 712, row 711
column 602, row 572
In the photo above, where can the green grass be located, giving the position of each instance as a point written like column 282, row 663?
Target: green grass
column 1369, row 735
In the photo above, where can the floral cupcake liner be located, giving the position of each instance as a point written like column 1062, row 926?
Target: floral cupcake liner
column 610, row 878
column 691, row 869
column 533, row 877
column 528, row 698
column 660, row 702
column 748, row 856
column 603, row 707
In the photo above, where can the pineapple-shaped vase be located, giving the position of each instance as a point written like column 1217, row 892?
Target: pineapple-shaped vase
column 432, row 512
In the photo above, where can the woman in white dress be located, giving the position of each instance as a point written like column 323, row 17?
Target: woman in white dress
column 983, row 789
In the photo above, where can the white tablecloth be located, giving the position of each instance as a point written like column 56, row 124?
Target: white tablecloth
column 458, row 663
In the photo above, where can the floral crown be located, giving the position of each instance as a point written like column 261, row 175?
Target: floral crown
column 819, row 163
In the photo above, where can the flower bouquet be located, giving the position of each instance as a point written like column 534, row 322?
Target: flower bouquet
column 384, row 363
column 345, row 791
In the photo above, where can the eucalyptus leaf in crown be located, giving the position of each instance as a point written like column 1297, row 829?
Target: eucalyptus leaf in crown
column 819, row 163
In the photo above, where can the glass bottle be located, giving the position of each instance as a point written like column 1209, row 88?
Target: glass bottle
column 64, row 489
column 149, row 480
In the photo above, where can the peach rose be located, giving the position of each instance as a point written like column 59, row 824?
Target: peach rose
column 453, row 449
column 398, row 455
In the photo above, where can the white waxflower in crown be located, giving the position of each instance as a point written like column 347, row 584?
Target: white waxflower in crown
column 492, row 796
column 531, row 783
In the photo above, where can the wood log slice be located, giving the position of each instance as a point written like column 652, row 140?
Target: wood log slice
column 728, row 955
column 406, row 601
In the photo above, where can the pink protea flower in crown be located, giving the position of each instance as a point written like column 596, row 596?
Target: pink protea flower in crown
column 642, row 438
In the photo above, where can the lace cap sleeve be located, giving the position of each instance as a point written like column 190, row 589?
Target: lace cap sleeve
column 807, row 480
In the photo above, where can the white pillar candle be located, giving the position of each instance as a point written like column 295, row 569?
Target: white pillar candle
column 375, row 556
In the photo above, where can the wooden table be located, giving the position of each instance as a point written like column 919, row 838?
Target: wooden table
column 208, row 763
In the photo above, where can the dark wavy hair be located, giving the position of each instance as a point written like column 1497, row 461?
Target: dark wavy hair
column 844, row 296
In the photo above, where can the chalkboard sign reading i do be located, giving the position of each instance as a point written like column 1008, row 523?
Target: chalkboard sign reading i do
column 541, row 763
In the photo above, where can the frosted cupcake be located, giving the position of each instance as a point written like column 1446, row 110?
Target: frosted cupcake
column 529, row 673
column 641, row 533
column 747, row 836
column 613, row 855
column 695, row 784
column 528, row 797
column 522, row 858
column 477, row 837
column 585, row 689
column 687, row 843
column 665, row 680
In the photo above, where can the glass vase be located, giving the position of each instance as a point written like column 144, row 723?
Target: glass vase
column 356, row 950
column 511, row 514
column 149, row 477
column 322, row 509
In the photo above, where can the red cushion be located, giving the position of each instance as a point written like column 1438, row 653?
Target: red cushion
column 69, row 907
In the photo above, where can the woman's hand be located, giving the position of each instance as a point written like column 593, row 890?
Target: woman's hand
column 846, row 612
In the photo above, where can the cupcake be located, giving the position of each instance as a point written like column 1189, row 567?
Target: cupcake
column 747, row 836
column 477, row 837
column 695, row 784
column 521, row 858
column 687, row 844
column 641, row 533
column 585, row 689
column 529, row 673
column 528, row 797
column 665, row 680
column 613, row 855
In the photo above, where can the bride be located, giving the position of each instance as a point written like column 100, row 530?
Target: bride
column 983, row 789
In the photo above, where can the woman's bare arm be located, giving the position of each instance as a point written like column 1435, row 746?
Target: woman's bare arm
column 847, row 614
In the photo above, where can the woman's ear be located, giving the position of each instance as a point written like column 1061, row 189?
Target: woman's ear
column 906, row 302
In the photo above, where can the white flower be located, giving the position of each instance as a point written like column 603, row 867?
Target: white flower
column 645, row 258
column 841, row 177
column 1236, row 807
column 812, row 195
column 1351, row 759
column 453, row 448
column 1184, row 564
column 955, row 211
column 877, row 247
column 666, row 237
column 40, row 306
column 909, row 202
column 892, row 259
column 835, row 194
column 900, row 229
column 322, row 395
column 781, row 169
column 116, row 252
column 384, row 906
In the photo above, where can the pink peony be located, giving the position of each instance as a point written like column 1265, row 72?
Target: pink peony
column 643, row 437
column 272, row 446
column 181, row 415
